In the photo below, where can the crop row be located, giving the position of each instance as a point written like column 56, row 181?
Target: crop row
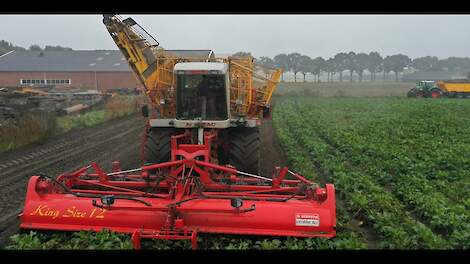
column 412, row 186
column 362, row 190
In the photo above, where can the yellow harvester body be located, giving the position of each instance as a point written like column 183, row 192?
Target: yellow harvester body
column 251, row 87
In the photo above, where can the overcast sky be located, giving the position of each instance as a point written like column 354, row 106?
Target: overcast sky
column 262, row 35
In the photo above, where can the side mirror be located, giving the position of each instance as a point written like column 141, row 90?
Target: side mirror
column 107, row 18
column 145, row 111
column 267, row 113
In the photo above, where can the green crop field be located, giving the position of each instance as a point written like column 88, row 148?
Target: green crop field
column 401, row 167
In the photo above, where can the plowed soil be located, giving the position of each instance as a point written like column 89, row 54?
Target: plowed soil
column 118, row 139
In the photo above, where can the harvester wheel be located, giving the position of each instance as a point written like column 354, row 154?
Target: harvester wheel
column 411, row 93
column 157, row 145
column 436, row 93
column 244, row 151
column 419, row 94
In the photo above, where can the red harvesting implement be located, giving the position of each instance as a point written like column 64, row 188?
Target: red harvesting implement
column 201, row 158
column 180, row 198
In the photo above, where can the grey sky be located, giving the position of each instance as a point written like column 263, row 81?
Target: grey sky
column 263, row 35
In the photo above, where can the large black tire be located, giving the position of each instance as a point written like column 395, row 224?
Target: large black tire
column 157, row 145
column 411, row 93
column 244, row 151
column 435, row 93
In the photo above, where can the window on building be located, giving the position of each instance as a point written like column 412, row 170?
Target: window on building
column 45, row 81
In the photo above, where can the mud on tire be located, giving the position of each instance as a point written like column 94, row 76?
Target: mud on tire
column 244, row 151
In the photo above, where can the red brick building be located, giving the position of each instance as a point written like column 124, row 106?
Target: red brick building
column 87, row 69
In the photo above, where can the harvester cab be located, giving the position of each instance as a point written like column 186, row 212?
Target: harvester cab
column 201, row 157
column 202, row 91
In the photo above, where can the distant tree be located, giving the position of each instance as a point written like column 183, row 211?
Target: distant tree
column 387, row 67
column 56, row 48
column 305, row 65
column 330, row 68
column 6, row 47
column 427, row 63
column 294, row 63
column 447, row 64
column 242, row 54
column 362, row 60
column 397, row 63
column 282, row 61
column 374, row 64
column 267, row 65
column 455, row 63
column 35, row 47
column 318, row 65
column 350, row 64
column 339, row 62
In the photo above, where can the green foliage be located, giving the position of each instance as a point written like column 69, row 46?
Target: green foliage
column 31, row 127
column 116, row 107
column 400, row 166
column 38, row 126
column 403, row 164
column 87, row 119
column 78, row 240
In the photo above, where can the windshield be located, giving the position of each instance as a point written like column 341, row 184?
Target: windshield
column 201, row 96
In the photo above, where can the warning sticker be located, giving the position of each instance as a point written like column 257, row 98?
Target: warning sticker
column 307, row 220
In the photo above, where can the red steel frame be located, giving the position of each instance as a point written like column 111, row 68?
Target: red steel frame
column 190, row 195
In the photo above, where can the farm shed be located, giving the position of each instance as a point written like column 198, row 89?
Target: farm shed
column 87, row 69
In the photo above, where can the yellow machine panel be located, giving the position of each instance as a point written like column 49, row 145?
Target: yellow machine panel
column 251, row 88
column 458, row 87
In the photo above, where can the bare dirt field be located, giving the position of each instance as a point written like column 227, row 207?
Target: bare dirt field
column 117, row 139
column 271, row 154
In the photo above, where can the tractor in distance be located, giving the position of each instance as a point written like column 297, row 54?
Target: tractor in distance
column 438, row 89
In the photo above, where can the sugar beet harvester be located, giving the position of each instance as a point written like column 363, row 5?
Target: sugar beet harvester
column 200, row 171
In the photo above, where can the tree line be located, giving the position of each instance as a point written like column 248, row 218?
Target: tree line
column 374, row 63
column 6, row 47
column 358, row 63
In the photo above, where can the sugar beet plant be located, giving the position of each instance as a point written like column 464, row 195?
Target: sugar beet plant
column 401, row 166
column 401, row 169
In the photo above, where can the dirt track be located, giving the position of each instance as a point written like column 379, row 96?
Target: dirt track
column 113, row 140
column 271, row 151
column 118, row 139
